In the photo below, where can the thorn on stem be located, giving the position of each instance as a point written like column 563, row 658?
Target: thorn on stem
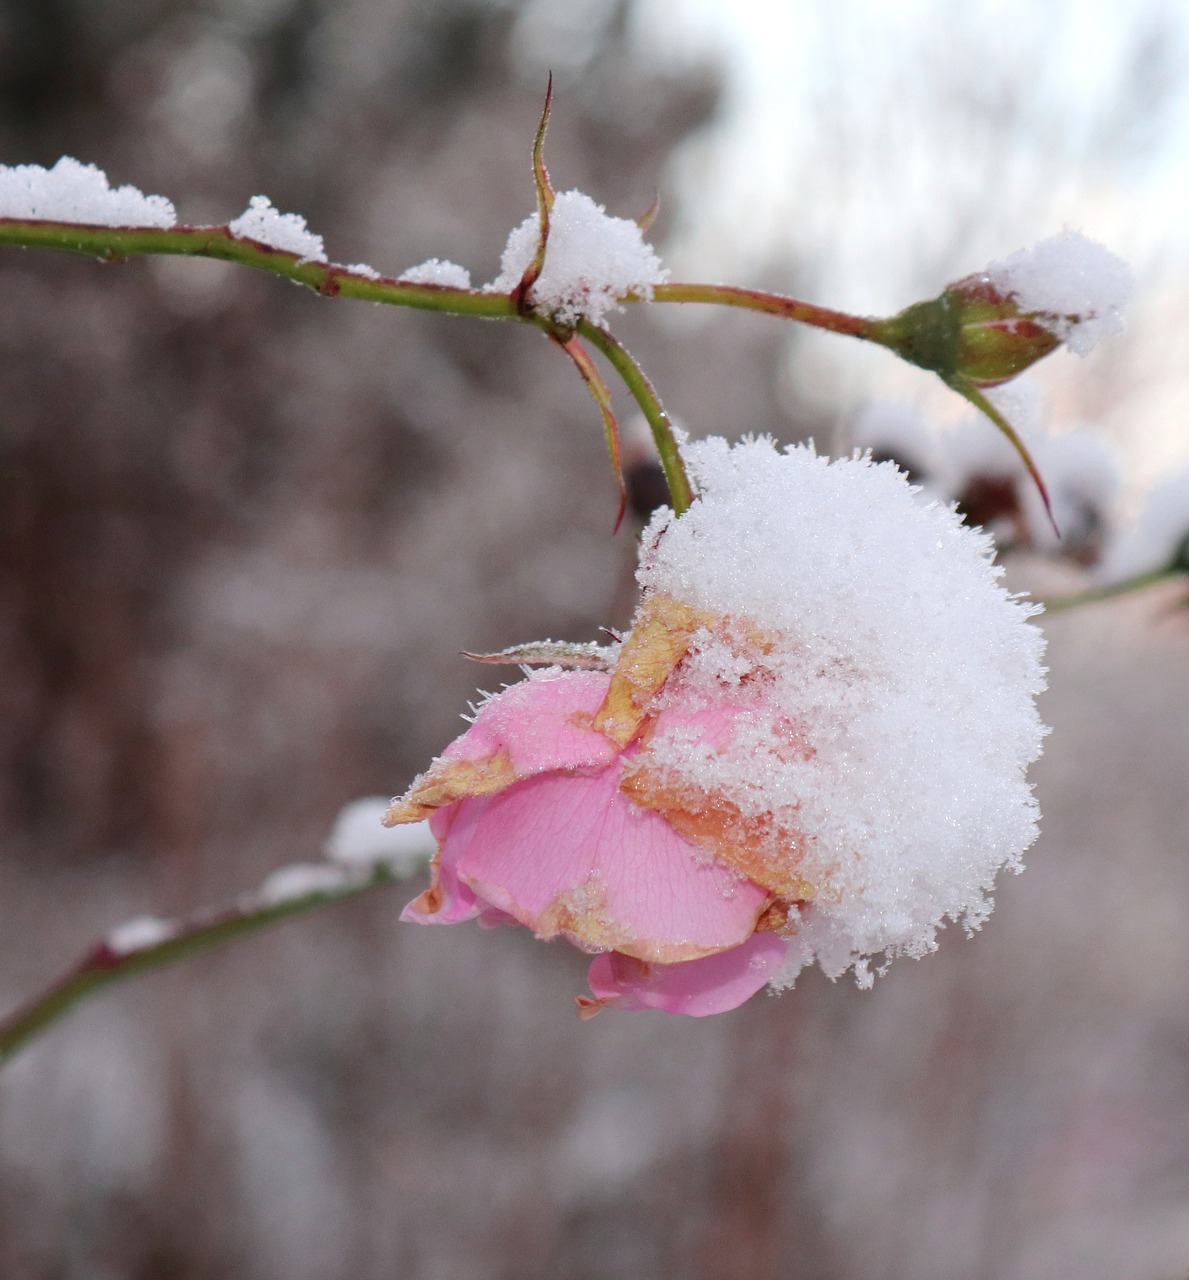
column 648, row 217
column 545, row 197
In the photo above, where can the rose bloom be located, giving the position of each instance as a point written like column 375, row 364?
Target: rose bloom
column 810, row 746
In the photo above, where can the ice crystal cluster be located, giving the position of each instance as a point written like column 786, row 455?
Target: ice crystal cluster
column 592, row 260
column 78, row 193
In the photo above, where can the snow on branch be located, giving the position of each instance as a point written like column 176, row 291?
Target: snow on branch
column 78, row 193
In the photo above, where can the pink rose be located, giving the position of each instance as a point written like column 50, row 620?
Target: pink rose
column 549, row 813
column 810, row 748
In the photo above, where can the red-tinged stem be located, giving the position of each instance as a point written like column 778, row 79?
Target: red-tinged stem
column 115, row 243
column 103, row 965
column 637, row 382
column 602, row 397
column 775, row 304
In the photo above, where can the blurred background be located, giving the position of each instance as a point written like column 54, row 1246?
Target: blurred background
column 245, row 533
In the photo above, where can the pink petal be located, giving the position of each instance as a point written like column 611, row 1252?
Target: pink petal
column 712, row 984
column 447, row 900
column 570, row 854
column 539, row 725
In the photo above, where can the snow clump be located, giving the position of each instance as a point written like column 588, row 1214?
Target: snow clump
column 591, row 261
column 1072, row 285
column 437, row 271
column 358, row 839
column 78, row 193
column 285, row 231
column 139, row 934
column 888, row 754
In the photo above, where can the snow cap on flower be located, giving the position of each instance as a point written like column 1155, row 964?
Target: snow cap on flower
column 592, row 260
column 989, row 327
column 888, row 755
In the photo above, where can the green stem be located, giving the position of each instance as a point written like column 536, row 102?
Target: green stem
column 103, row 965
column 774, row 304
column 1093, row 595
column 602, row 397
column 638, row 383
column 114, row 243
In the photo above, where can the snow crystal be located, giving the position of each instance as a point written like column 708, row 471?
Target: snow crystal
column 78, row 193
column 888, row 750
column 139, row 934
column 1160, row 534
column 591, row 261
column 288, row 884
column 287, row 231
column 438, row 271
column 362, row 269
column 358, row 839
column 1074, row 286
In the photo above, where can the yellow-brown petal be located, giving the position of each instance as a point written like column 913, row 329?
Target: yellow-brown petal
column 447, row 781
column 660, row 638
column 751, row 844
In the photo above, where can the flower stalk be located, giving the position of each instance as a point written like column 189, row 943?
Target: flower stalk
column 103, row 965
column 775, row 304
column 1110, row 590
column 645, row 395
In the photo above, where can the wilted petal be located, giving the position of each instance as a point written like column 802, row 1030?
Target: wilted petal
column 537, row 726
column 569, row 854
column 712, row 984
column 447, row 900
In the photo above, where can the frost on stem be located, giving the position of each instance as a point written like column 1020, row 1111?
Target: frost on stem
column 285, row 231
column 78, row 193
column 592, row 261
column 138, row 934
column 811, row 746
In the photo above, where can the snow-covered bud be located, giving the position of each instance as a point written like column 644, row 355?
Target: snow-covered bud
column 986, row 328
column 972, row 331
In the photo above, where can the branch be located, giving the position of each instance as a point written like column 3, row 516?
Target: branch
column 147, row 944
column 113, row 244
column 776, row 304
column 638, row 383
